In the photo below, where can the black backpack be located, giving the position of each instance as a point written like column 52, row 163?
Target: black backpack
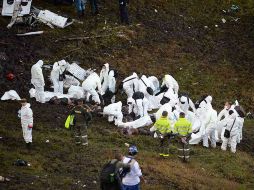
column 115, row 72
column 138, row 95
column 108, row 173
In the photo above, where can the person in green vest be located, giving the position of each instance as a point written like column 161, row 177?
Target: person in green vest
column 82, row 116
column 183, row 128
column 163, row 129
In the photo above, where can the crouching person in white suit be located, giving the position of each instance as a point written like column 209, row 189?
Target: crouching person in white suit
column 114, row 112
column 38, row 81
column 90, row 84
column 26, row 114
column 232, row 129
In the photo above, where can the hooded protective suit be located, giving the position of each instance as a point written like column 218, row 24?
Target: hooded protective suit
column 112, row 84
column 209, row 123
column 167, row 97
column 222, row 122
column 143, row 84
column 139, row 107
column 27, row 122
column 170, row 82
column 232, row 123
column 114, row 112
column 186, row 103
column 90, row 84
column 104, row 77
column 130, row 85
column 241, row 121
column 156, row 84
column 38, row 81
column 57, row 75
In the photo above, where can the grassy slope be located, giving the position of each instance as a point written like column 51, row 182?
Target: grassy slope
column 214, row 60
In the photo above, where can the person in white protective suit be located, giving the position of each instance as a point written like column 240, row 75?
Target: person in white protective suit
column 130, row 85
column 57, row 75
column 90, row 84
column 104, row 77
column 233, row 125
column 26, row 115
column 112, row 84
column 170, row 82
column 114, row 112
column 209, row 122
column 38, row 81
column 156, row 84
column 222, row 116
column 186, row 103
column 240, row 137
column 147, row 87
column 138, row 106
column 76, row 92
column 165, row 97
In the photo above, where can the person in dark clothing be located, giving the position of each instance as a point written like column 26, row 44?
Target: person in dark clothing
column 82, row 116
column 123, row 11
column 94, row 7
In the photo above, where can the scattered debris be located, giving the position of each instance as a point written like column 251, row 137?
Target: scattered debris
column 155, row 10
column 216, row 26
column 81, row 38
column 234, row 8
column 30, row 33
column 11, row 95
column 8, row 7
column 17, row 10
column 205, row 27
column 51, row 18
column 224, row 20
column 95, row 182
column 20, row 162
column 250, row 115
column 3, row 179
column 47, row 141
column 10, row 76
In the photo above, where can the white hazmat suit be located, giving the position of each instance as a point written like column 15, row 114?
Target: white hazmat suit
column 209, row 124
column 233, row 125
column 114, row 112
column 130, row 85
column 57, row 75
column 139, row 106
column 90, row 84
column 38, row 81
column 170, row 82
column 27, row 122
column 104, row 77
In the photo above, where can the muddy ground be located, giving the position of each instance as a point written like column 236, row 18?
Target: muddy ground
column 181, row 39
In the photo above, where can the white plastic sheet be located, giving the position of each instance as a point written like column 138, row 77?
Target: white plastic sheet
column 11, row 95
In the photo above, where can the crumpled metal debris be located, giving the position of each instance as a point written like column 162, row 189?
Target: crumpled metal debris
column 31, row 16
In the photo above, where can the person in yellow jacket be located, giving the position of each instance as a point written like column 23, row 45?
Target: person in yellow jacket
column 163, row 128
column 183, row 126
column 183, row 129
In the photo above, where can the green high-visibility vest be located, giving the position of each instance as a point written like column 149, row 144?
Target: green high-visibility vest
column 182, row 127
column 69, row 121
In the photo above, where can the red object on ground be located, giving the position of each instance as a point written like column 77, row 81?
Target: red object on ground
column 10, row 76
